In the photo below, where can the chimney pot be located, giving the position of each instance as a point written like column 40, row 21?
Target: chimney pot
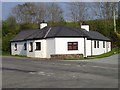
column 86, row 27
column 43, row 24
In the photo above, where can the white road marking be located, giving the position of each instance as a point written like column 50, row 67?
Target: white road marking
column 48, row 75
column 42, row 73
column 32, row 73
column 96, row 67
column 104, row 67
column 80, row 65
column 73, row 76
column 67, row 64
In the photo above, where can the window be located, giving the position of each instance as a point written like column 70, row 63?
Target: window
column 94, row 44
column 25, row 46
column 38, row 45
column 72, row 45
column 31, row 46
column 103, row 44
column 15, row 46
column 97, row 44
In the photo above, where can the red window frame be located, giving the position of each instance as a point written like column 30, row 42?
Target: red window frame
column 72, row 46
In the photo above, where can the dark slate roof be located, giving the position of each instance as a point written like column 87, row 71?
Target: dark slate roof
column 65, row 31
column 23, row 35
column 94, row 35
column 57, row 31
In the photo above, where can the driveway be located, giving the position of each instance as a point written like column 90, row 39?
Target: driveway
column 34, row 73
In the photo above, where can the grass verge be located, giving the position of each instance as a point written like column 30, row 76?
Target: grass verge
column 112, row 52
column 8, row 54
column 5, row 53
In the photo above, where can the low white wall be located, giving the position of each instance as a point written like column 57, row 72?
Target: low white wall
column 61, row 46
column 108, row 45
column 101, row 50
column 20, row 48
column 88, row 47
column 50, row 47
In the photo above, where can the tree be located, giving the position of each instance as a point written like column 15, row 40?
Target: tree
column 40, row 13
column 24, row 13
column 54, row 12
column 77, row 11
column 9, row 29
column 104, row 10
column 36, row 12
column 119, row 9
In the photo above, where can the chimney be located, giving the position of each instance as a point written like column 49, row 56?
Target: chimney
column 86, row 27
column 43, row 24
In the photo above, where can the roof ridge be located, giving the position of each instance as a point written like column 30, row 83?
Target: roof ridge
column 82, row 32
column 47, row 32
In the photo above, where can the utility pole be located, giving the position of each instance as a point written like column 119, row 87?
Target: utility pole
column 114, row 21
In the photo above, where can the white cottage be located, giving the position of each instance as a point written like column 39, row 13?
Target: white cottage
column 47, row 41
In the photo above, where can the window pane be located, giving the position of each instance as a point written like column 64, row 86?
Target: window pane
column 69, row 47
column 15, row 47
column 69, row 43
column 75, row 47
column 31, row 46
column 72, row 45
column 38, row 45
column 25, row 46
column 97, row 44
column 103, row 44
column 94, row 44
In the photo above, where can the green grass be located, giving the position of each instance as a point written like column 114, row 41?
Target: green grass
column 74, row 58
column 5, row 53
column 113, row 52
column 8, row 54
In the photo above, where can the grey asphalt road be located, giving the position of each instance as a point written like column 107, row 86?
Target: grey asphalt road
column 34, row 73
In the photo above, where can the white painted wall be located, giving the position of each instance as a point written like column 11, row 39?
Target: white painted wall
column 86, row 27
column 50, row 44
column 59, row 46
column 42, row 25
column 41, row 53
column 30, row 54
column 88, row 47
column 62, row 48
column 20, row 48
column 101, row 50
column 108, row 45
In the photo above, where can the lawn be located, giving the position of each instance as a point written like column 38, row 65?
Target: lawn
column 112, row 52
column 5, row 53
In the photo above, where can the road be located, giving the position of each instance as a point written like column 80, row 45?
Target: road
column 23, row 72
